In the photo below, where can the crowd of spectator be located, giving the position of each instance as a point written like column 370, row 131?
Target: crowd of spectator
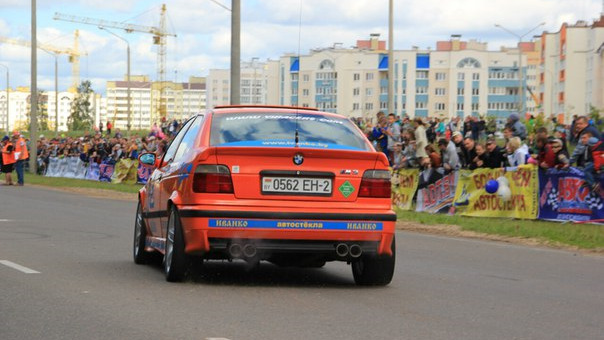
column 108, row 146
column 448, row 145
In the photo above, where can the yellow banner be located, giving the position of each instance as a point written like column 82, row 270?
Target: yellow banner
column 471, row 198
column 404, row 185
column 125, row 171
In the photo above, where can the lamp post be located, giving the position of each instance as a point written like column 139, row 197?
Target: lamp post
column 128, row 73
column 235, row 49
column 7, row 97
column 56, row 92
column 520, row 78
column 390, row 58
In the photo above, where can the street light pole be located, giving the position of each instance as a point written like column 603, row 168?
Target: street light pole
column 7, row 98
column 33, row 128
column 390, row 58
column 129, row 125
column 520, row 75
column 235, row 52
column 56, row 91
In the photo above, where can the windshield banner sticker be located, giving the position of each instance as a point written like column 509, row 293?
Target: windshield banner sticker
column 282, row 143
column 287, row 224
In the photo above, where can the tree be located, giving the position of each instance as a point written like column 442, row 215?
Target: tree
column 594, row 114
column 81, row 111
column 42, row 114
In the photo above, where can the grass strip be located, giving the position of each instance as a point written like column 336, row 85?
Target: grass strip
column 583, row 236
column 79, row 183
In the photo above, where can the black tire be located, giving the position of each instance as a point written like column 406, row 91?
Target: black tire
column 141, row 256
column 372, row 270
column 176, row 262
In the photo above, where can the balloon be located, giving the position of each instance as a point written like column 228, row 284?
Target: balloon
column 503, row 181
column 491, row 186
column 504, row 193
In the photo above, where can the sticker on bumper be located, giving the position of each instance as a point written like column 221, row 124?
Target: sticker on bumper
column 304, row 225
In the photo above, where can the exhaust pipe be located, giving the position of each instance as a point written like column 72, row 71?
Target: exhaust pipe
column 355, row 251
column 235, row 250
column 342, row 249
column 249, row 250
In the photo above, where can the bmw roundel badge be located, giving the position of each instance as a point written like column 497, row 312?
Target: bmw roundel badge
column 298, row 159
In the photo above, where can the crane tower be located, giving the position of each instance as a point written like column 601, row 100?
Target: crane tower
column 160, row 35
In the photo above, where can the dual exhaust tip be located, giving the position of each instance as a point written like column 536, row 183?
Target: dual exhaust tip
column 344, row 250
column 246, row 251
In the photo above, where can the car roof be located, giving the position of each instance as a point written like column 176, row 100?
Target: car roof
column 270, row 109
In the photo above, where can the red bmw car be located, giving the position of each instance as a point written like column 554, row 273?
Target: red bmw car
column 292, row 186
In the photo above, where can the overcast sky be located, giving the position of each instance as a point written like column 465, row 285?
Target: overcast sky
column 269, row 29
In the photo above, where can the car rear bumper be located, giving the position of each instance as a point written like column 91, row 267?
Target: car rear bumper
column 208, row 229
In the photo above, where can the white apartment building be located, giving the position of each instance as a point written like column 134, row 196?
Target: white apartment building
column 181, row 100
column 256, row 80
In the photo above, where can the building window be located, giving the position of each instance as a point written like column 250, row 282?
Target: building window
column 439, row 91
column 421, row 75
column 305, row 92
column 369, row 92
column 356, row 76
column 459, row 106
column 439, row 106
column 356, row 106
column 421, row 90
column 475, row 92
column 356, row 91
column 306, row 78
column 474, row 106
column 460, row 91
column 475, row 76
column 420, row 105
column 368, row 106
column 441, row 76
column 460, row 76
column 369, row 76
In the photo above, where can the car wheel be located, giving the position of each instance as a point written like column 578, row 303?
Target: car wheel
column 141, row 256
column 372, row 270
column 176, row 262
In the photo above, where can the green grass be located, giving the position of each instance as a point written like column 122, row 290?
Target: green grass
column 583, row 236
column 78, row 183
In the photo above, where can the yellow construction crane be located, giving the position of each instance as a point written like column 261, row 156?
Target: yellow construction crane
column 73, row 53
column 160, row 35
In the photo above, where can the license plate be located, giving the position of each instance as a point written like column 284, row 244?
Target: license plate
column 296, row 185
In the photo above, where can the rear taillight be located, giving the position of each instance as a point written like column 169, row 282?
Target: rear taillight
column 375, row 183
column 212, row 179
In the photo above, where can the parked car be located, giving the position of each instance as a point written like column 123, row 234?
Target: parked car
column 293, row 186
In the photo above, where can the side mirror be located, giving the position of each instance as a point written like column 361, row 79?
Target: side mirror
column 147, row 159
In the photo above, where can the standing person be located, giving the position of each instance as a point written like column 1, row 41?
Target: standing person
column 421, row 140
column 8, row 160
column 21, row 155
column 518, row 128
column 109, row 126
column 393, row 132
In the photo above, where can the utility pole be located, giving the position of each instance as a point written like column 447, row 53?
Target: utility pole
column 390, row 59
column 235, row 52
column 33, row 128
column 7, row 98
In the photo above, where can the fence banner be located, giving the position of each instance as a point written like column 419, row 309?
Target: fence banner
column 404, row 185
column 53, row 167
column 562, row 198
column 143, row 173
column 436, row 192
column 106, row 171
column 93, row 172
column 522, row 204
column 125, row 171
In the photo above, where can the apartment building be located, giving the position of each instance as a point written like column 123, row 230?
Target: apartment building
column 181, row 100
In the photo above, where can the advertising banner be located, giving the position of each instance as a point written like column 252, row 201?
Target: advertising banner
column 106, row 171
column 93, row 172
column 522, row 203
column 404, row 185
column 53, row 167
column 125, row 171
column 143, row 173
column 436, row 192
column 563, row 198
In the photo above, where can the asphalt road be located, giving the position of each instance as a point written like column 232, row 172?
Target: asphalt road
column 85, row 286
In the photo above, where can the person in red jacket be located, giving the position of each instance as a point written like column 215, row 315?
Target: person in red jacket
column 8, row 160
column 594, row 149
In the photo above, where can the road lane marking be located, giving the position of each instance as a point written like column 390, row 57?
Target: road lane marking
column 5, row 220
column 18, row 267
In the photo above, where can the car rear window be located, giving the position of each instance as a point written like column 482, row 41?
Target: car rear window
column 315, row 131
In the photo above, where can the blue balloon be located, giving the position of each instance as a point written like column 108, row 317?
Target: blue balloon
column 492, row 186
